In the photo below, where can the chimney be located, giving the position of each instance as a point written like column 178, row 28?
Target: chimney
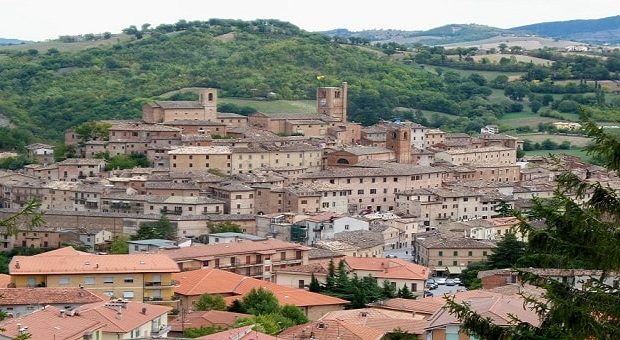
column 144, row 310
column 17, row 264
column 62, row 313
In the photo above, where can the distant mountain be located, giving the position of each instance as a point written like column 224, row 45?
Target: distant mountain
column 437, row 36
column 605, row 30
column 4, row 41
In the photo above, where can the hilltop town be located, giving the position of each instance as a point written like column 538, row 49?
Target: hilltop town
column 230, row 205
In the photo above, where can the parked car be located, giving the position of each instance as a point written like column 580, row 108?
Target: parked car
column 458, row 281
column 450, row 282
column 431, row 284
column 427, row 293
column 440, row 280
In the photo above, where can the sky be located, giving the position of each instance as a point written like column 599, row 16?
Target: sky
column 47, row 19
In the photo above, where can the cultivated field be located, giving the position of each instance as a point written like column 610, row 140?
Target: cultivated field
column 572, row 152
column 577, row 141
column 487, row 74
column 528, row 43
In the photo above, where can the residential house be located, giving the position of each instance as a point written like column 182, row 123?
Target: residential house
column 399, row 273
column 41, row 153
column 192, row 284
column 21, row 301
column 150, row 246
column 199, row 319
column 355, row 243
column 73, row 169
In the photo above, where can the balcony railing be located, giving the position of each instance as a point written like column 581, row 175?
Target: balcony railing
column 160, row 331
column 160, row 299
column 154, row 284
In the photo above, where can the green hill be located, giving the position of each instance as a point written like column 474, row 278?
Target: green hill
column 604, row 30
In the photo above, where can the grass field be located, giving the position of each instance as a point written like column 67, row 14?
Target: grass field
column 576, row 141
column 494, row 58
column 581, row 153
column 43, row 46
column 487, row 74
column 524, row 119
column 274, row 106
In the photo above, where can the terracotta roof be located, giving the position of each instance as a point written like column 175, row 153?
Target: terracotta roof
column 241, row 333
column 4, row 280
column 69, row 261
column 132, row 317
column 48, row 324
column 388, row 268
column 499, row 308
column 82, row 161
column 331, row 329
column 318, row 253
column 423, row 306
column 204, row 319
column 360, row 238
column 46, row 296
column 241, row 247
column 380, row 319
column 215, row 281
column 178, row 104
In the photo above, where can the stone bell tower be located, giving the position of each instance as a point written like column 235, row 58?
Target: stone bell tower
column 332, row 101
column 398, row 139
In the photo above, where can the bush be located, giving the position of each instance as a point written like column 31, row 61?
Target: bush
column 568, row 106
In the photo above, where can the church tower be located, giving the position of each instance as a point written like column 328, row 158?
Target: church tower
column 332, row 101
column 398, row 139
column 208, row 100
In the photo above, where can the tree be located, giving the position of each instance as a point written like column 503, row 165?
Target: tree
column 389, row 290
column 208, row 302
column 92, row 131
column 405, row 293
column 507, row 252
column 120, row 245
column 516, row 90
column 223, row 227
column 294, row 313
column 520, row 153
column 161, row 229
column 469, row 275
column 342, row 277
column 577, row 235
column 330, row 279
column 315, row 285
column 202, row 331
column 503, row 209
column 236, row 307
column 535, row 105
column 502, row 48
column 260, row 301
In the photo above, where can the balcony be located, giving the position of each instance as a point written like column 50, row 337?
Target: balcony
column 158, row 285
column 171, row 212
column 161, row 299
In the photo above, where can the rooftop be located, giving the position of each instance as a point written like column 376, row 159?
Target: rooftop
column 178, row 104
column 69, row 261
column 436, row 240
column 360, row 238
column 215, row 281
column 49, row 324
column 46, row 296
column 331, row 329
column 134, row 314
column 204, row 252
column 201, row 150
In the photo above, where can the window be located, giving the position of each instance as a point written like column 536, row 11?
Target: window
column 484, row 253
column 440, row 263
column 298, row 255
column 89, row 280
column 64, row 280
column 454, row 263
column 301, row 284
column 128, row 294
column 373, row 191
column 128, row 279
column 360, row 192
column 217, row 263
column 108, row 293
column 455, row 253
column 346, row 227
column 283, row 255
column 108, row 279
column 470, row 253
column 232, row 261
column 440, row 253
column 414, row 287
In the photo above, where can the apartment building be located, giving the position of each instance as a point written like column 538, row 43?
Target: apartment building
column 73, row 169
column 21, row 301
column 447, row 253
column 183, row 205
column 491, row 155
column 73, row 196
column 375, row 188
column 234, row 160
column 237, row 197
column 355, row 154
column 433, row 136
column 136, row 277
column 41, row 153
column 250, row 258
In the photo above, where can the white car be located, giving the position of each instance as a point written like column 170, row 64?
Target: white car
column 440, row 280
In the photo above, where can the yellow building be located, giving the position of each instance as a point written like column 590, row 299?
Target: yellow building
column 135, row 277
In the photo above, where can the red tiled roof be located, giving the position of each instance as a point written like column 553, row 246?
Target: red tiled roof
column 69, row 261
column 203, row 319
column 331, row 329
column 241, row 247
column 215, row 281
column 46, row 296
column 241, row 333
column 4, row 280
column 132, row 316
column 380, row 319
column 48, row 324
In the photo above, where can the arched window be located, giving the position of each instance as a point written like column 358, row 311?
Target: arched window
column 342, row 161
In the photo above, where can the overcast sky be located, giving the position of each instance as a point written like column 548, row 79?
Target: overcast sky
column 46, row 19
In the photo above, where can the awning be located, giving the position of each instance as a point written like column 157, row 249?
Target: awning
column 440, row 269
column 455, row 270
